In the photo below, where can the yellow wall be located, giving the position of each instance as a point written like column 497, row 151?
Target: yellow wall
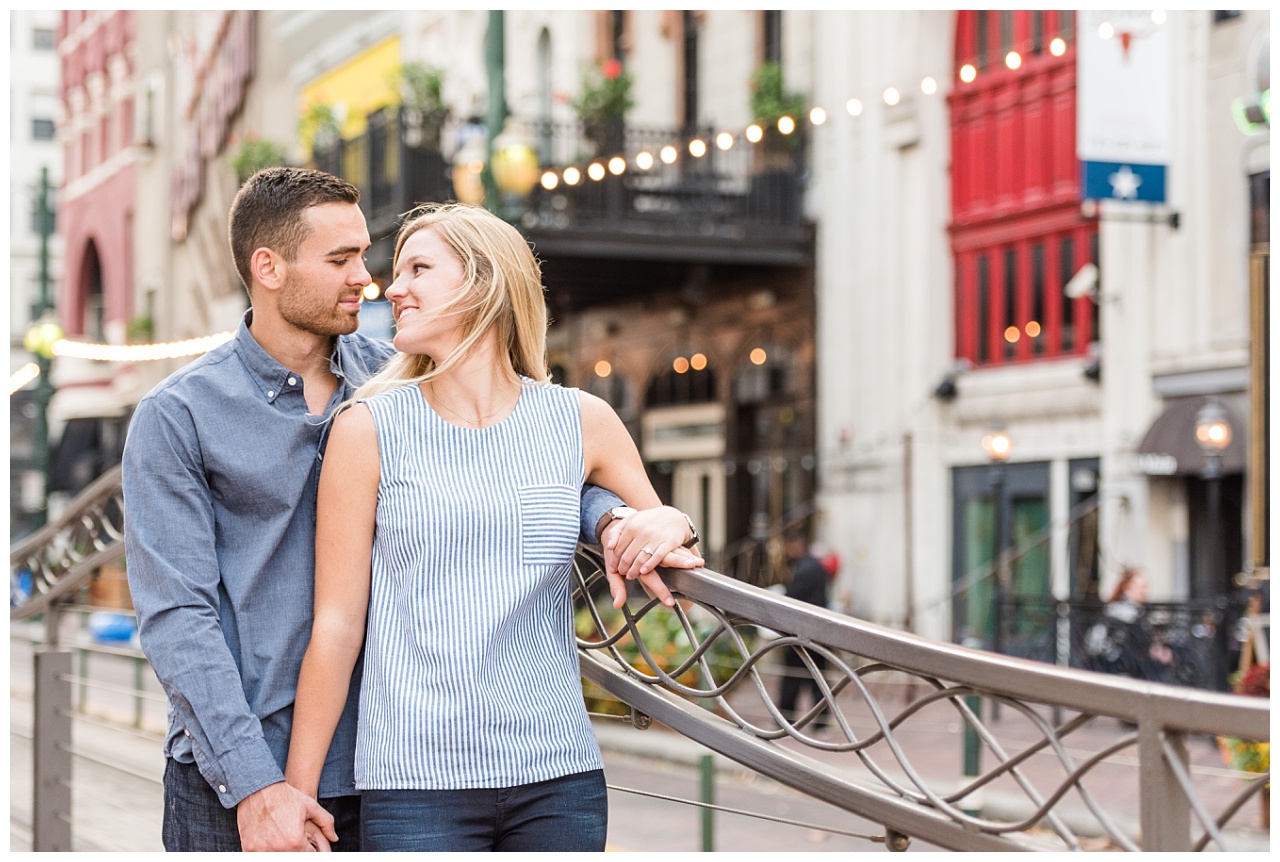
column 363, row 84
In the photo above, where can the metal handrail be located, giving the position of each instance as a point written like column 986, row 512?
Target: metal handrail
column 887, row 788
column 57, row 560
column 916, row 805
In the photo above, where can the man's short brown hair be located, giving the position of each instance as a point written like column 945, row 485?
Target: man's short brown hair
column 268, row 212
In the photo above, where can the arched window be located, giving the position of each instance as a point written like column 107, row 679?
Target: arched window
column 1016, row 229
column 93, row 325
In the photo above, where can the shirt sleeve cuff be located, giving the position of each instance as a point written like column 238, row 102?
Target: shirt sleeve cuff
column 243, row 771
column 596, row 502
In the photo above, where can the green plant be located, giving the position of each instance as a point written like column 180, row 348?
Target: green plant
column 141, row 328
column 667, row 644
column 252, row 154
column 421, row 89
column 603, row 101
column 770, row 101
column 319, row 125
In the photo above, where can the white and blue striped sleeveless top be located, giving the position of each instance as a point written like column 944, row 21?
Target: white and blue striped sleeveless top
column 471, row 673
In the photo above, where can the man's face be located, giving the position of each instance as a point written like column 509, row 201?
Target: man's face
column 325, row 284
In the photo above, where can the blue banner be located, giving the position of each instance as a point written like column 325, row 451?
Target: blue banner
column 1122, row 181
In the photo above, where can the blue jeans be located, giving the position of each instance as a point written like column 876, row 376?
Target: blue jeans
column 568, row 814
column 195, row 821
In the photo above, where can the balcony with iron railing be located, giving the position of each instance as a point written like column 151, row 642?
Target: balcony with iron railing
column 636, row 194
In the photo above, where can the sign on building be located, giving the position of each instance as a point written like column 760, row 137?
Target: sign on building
column 1124, row 123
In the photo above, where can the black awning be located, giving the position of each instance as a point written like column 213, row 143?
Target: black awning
column 1169, row 447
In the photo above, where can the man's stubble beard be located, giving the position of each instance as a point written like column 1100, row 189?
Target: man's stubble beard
column 301, row 308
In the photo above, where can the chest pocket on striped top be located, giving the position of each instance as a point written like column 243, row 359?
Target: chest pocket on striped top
column 549, row 524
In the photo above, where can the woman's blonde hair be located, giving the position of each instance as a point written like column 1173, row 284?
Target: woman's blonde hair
column 503, row 294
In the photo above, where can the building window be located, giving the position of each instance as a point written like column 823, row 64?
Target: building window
column 689, row 55
column 42, row 39
column 681, row 385
column 772, row 36
column 41, row 129
column 1017, row 233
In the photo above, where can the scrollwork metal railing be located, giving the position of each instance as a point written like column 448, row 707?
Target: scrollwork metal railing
column 879, row 686
column 52, row 563
column 868, row 767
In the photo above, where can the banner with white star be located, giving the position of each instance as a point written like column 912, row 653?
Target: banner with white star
column 1124, row 104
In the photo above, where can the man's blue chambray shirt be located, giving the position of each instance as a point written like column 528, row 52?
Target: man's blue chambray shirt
column 220, row 473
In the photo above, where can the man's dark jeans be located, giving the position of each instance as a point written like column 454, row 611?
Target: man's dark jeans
column 195, row 821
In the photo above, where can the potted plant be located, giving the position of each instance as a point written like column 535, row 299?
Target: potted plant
column 770, row 101
column 320, row 126
column 602, row 104
column 775, row 189
column 252, row 153
column 421, row 89
column 1251, row 755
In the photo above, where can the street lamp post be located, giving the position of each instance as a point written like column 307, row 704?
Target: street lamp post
column 1213, row 434
column 495, row 61
column 500, row 168
column 39, row 341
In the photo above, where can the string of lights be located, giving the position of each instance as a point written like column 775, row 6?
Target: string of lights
column 23, row 376
column 646, row 159
column 140, row 352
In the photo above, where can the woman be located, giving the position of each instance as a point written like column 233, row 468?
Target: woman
column 448, row 514
column 1122, row 642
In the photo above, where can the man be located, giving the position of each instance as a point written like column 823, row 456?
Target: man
column 220, row 472
column 808, row 584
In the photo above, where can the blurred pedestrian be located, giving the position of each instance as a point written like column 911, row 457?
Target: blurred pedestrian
column 809, row 581
column 1122, row 641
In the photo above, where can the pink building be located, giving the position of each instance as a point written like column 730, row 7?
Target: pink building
column 96, row 202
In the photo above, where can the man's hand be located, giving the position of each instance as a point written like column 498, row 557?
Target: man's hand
column 316, row 838
column 276, row 819
column 636, row 545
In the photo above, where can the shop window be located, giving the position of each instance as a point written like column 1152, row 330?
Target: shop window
column 994, row 511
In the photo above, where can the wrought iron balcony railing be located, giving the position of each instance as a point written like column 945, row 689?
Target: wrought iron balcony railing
column 742, row 204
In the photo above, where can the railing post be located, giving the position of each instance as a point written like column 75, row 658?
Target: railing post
column 707, row 768
column 1165, row 809
column 51, row 745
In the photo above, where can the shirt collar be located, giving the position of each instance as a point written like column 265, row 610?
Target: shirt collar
column 272, row 377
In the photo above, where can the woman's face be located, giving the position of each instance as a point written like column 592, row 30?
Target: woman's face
column 427, row 278
column 1137, row 589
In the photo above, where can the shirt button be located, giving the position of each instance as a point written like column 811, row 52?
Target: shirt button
column 222, row 788
column 271, row 393
column 186, row 733
column 293, row 381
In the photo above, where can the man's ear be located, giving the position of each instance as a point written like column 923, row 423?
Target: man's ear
column 267, row 268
